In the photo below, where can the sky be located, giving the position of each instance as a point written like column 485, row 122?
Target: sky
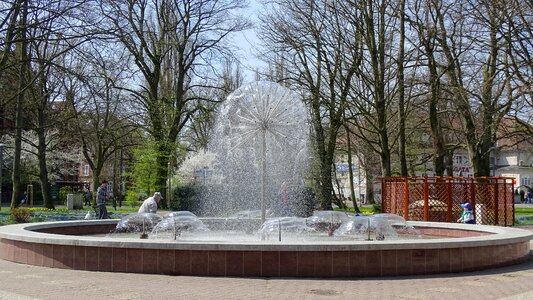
column 246, row 41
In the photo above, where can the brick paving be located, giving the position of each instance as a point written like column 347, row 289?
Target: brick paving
column 21, row 282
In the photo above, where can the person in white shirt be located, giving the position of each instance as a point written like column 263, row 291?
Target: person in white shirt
column 150, row 205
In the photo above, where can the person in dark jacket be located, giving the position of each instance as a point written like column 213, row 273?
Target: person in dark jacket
column 101, row 197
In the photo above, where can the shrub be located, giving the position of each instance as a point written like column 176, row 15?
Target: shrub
column 20, row 215
column 185, row 197
column 63, row 192
column 133, row 198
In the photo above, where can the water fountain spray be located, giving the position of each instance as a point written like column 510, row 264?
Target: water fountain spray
column 279, row 230
column 144, row 235
column 262, row 128
column 368, row 229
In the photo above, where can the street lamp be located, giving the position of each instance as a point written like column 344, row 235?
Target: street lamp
column 1, row 167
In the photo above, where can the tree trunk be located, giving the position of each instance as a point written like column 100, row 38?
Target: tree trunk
column 375, row 42
column 326, row 189
column 350, row 170
column 96, row 184
column 15, row 198
column 437, row 136
column 369, row 175
column 163, row 159
column 43, row 169
column 449, row 162
column 401, row 93
column 481, row 166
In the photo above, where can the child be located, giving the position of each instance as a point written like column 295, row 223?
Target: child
column 467, row 216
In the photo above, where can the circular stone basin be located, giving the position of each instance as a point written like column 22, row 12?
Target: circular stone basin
column 454, row 248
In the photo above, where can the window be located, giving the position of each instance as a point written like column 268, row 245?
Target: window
column 526, row 181
column 86, row 170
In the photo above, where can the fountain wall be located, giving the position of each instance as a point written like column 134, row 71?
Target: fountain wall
column 457, row 248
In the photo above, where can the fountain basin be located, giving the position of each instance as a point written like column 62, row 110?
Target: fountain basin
column 457, row 248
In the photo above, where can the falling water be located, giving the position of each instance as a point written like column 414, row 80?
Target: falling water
column 260, row 141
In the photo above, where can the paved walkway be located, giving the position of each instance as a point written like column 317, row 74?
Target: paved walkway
column 29, row 282
column 21, row 282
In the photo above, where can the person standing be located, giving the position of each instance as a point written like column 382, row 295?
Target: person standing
column 101, row 197
column 150, row 204
column 88, row 197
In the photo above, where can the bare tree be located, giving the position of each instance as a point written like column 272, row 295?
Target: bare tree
column 199, row 131
column 470, row 36
column 42, row 32
column 519, row 40
column 9, row 17
column 23, row 65
column 175, row 45
column 423, row 23
column 320, row 54
column 103, row 123
column 50, row 34
column 402, row 115
column 374, row 87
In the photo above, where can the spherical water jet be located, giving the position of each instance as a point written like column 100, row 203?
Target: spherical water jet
column 381, row 226
column 327, row 220
column 280, row 226
column 260, row 140
column 175, row 224
column 137, row 223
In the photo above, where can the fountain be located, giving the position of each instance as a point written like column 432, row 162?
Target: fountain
column 260, row 145
column 380, row 226
column 176, row 224
column 138, row 222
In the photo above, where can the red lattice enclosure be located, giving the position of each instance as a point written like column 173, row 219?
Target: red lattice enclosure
column 439, row 199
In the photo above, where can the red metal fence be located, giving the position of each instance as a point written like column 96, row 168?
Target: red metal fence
column 439, row 199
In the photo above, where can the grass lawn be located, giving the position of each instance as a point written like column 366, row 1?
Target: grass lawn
column 523, row 211
column 523, row 215
column 365, row 209
column 40, row 214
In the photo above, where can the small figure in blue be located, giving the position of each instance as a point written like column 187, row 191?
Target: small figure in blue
column 467, row 216
column 529, row 197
